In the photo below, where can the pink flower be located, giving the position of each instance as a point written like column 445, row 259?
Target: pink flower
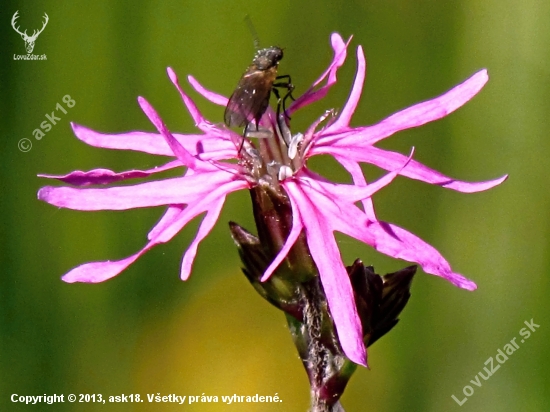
column 319, row 207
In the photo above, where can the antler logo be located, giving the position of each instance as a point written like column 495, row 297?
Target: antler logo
column 29, row 40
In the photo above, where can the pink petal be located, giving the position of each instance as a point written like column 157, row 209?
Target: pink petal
column 350, row 193
column 211, row 203
column 179, row 190
column 105, row 176
column 398, row 243
column 343, row 216
column 414, row 116
column 340, row 52
column 170, row 215
column 183, row 155
column 152, row 143
column 339, row 292
column 207, row 146
column 95, row 272
column 207, row 94
column 345, row 116
column 334, row 277
column 206, row 226
column 193, row 110
column 415, row 170
column 200, row 121
column 356, row 173
column 323, row 194
column 310, row 136
column 171, row 223
column 312, row 94
column 206, row 203
column 290, row 240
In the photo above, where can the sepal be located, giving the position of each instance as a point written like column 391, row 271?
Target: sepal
column 379, row 299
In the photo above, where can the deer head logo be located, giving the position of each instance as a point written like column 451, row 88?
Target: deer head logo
column 29, row 40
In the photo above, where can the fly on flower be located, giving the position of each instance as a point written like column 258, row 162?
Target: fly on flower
column 317, row 207
column 250, row 99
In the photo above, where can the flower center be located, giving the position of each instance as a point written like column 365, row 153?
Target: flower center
column 279, row 154
column 276, row 156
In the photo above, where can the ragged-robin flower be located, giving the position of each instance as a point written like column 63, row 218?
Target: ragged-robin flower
column 276, row 160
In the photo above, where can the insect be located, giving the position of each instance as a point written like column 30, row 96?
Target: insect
column 250, row 99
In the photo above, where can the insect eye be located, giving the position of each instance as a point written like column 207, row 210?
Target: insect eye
column 277, row 54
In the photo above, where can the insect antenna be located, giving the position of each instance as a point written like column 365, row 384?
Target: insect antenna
column 253, row 31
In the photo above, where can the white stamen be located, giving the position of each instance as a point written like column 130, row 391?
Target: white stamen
column 261, row 133
column 284, row 172
column 272, row 168
column 284, row 129
column 293, row 146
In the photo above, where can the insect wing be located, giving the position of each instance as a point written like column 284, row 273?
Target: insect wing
column 250, row 99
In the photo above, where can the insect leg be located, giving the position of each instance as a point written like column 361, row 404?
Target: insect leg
column 278, row 96
column 245, row 133
column 287, row 85
column 281, row 121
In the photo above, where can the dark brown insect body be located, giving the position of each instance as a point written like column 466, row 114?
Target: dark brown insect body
column 250, row 99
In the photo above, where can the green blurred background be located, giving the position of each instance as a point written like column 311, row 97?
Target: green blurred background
column 145, row 331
